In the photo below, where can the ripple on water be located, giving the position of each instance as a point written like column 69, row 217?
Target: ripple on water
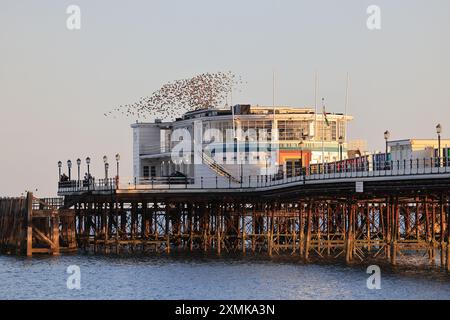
column 200, row 277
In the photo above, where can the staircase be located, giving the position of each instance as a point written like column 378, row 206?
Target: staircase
column 217, row 168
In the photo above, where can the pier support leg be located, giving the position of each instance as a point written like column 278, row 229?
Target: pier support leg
column 308, row 231
column 29, row 224
column 271, row 229
column 301, row 230
column 167, row 227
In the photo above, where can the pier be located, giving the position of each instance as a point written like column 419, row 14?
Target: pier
column 353, row 214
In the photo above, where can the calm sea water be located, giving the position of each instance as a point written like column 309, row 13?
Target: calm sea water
column 182, row 277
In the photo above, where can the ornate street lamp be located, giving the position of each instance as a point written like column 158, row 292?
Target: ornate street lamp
column 300, row 146
column 105, row 161
column 106, row 171
column 439, row 131
column 69, row 166
column 88, row 162
column 117, row 163
column 387, row 135
column 78, row 165
column 341, row 142
column 59, row 169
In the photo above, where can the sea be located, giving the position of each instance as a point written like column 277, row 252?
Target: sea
column 228, row 277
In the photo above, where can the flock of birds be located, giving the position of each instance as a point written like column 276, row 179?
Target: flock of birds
column 178, row 97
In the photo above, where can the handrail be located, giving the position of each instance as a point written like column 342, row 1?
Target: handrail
column 216, row 167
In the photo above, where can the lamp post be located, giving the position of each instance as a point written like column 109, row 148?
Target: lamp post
column 105, row 161
column 78, row 165
column 387, row 135
column 117, row 163
column 106, row 172
column 300, row 145
column 341, row 142
column 69, row 166
column 88, row 162
column 439, row 131
column 59, row 169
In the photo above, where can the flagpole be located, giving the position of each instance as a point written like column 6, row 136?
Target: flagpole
column 273, row 100
column 274, row 126
column 273, row 95
column 323, row 131
column 316, row 84
column 346, row 105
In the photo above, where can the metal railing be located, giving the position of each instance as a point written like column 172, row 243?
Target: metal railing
column 88, row 185
column 322, row 172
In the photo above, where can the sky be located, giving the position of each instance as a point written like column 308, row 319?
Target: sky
column 56, row 84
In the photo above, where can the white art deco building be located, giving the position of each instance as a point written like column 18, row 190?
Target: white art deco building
column 294, row 138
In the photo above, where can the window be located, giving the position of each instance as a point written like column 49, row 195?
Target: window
column 292, row 129
column 153, row 171
column 146, row 172
column 327, row 133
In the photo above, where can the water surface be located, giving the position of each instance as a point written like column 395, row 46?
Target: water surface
column 199, row 277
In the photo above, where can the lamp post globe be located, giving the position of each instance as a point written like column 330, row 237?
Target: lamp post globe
column 439, row 129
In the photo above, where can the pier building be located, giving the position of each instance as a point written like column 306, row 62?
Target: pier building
column 244, row 136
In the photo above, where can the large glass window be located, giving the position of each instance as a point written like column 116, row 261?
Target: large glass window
column 292, row 129
column 327, row 132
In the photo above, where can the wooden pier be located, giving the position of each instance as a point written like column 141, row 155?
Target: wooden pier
column 29, row 225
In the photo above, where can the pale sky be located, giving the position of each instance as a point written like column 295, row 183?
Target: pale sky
column 56, row 84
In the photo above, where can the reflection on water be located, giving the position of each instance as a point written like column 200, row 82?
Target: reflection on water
column 198, row 277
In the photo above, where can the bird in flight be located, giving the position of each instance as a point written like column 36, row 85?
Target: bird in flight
column 178, row 97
